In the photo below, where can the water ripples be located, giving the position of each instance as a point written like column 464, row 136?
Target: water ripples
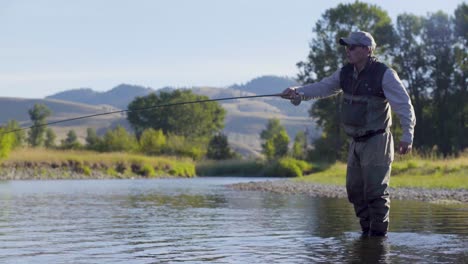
column 198, row 221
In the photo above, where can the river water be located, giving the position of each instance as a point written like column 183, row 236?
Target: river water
column 200, row 220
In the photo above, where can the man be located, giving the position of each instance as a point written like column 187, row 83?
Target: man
column 370, row 90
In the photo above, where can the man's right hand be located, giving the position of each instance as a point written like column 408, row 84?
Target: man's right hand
column 404, row 148
column 289, row 93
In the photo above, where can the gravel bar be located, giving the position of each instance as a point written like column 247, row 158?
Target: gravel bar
column 334, row 191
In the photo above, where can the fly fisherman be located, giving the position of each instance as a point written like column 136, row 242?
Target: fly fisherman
column 370, row 89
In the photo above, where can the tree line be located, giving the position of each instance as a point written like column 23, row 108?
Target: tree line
column 184, row 130
column 428, row 52
column 158, row 132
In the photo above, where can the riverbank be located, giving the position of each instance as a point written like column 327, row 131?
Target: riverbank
column 337, row 191
column 407, row 171
column 27, row 164
column 413, row 178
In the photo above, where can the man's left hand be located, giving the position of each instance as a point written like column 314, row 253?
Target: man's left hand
column 404, row 148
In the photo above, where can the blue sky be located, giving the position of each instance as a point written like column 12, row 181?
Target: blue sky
column 47, row 46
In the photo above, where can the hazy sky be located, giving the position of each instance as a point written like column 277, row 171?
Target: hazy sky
column 47, row 46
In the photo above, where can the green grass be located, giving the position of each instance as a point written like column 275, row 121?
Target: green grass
column 230, row 168
column 335, row 174
column 284, row 167
column 410, row 171
column 115, row 164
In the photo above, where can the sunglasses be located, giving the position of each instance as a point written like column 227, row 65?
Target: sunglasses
column 353, row 47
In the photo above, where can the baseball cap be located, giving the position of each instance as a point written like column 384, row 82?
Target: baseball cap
column 359, row 38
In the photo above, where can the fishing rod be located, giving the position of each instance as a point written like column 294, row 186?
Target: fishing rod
column 141, row 109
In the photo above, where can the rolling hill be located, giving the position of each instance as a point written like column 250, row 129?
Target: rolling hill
column 245, row 118
column 118, row 97
column 17, row 109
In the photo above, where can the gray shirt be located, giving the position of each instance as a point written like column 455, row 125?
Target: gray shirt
column 393, row 89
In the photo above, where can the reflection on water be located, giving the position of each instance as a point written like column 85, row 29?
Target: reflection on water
column 199, row 220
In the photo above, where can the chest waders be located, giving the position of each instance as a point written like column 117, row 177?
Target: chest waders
column 367, row 119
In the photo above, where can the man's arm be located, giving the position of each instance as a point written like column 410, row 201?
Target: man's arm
column 328, row 86
column 400, row 102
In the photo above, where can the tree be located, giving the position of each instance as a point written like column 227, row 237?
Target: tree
column 38, row 115
column 182, row 146
column 50, row 138
column 273, row 127
column 218, row 148
column 188, row 120
column 118, row 139
column 275, row 138
column 440, row 59
column 71, row 141
column 268, row 149
column 326, row 56
column 93, row 141
column 410, row 63
column 7, row 141
column 300, row 146
column 436, row 74
column 460, row 78
column 152, row 141
column 19, row 134
column 281, row 142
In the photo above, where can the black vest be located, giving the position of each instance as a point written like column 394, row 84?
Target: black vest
column 368, row 82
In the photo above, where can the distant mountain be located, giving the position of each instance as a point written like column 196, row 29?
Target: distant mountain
column 119, row 96
column 245, row 118
column 266, row 85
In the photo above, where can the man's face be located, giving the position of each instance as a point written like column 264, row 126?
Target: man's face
column 356, row 53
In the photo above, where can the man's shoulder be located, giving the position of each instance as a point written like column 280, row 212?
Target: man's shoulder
column 382, row 66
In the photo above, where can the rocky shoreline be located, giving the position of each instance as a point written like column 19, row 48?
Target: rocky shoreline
column 66, row 174
column 51, row 174
column 276, row 186
column 334, row 191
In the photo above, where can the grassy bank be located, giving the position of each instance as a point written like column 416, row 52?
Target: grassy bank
column 284, row 167
column 409, row 171
column 43, row 162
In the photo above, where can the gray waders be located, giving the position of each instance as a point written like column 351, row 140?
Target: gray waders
column 367, row 179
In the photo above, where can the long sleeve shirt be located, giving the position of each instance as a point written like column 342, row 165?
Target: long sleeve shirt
column 393, row 89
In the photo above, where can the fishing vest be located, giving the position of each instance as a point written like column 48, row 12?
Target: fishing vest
column 365, row 110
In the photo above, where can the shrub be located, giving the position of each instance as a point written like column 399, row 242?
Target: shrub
column 183, row 169
column 182, row 146
column 230, row 168
column 112, row 172
column 121, row 167
column 147, row 171
column 118, row 139
column 287, row 167
column 152, row 141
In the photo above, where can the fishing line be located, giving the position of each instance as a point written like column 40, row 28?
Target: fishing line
column 140, row 109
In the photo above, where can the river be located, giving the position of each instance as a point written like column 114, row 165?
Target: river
column 200, row 220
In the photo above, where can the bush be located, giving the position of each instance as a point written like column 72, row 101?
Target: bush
column 230, row 168
column 86, row 170
column 287, row 167
column 152, row 141
column 118, row 139
column 6, row 143
column 121, row 167
column 182, row 146
column 112, row 172
column 218, row 148
column 180, row 169
column 147, row 171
